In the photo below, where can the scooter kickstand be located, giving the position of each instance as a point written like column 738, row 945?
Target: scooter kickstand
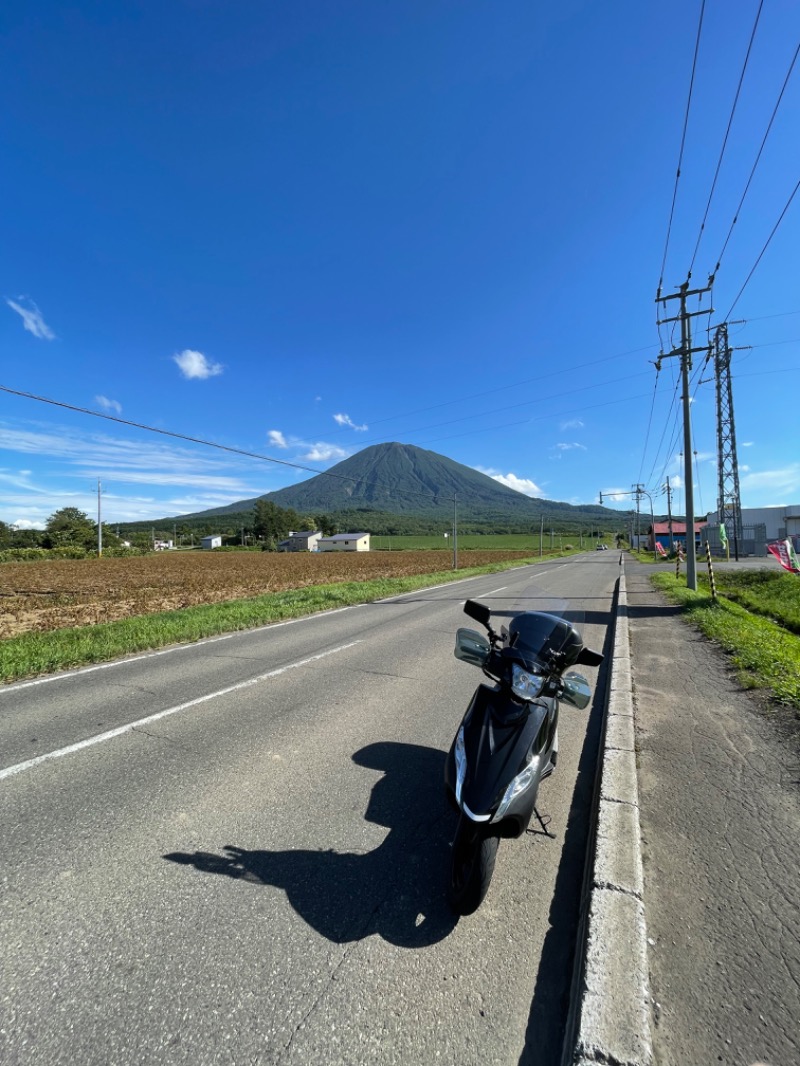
column 544, row 824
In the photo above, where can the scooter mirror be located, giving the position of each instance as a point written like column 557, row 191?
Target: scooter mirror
column 576, row 690
column 478, row 611
column 471, row 647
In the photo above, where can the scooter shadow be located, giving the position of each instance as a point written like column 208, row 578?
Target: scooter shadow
column 396, row 891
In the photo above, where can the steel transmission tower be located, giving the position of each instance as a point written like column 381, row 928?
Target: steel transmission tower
column 728, row 500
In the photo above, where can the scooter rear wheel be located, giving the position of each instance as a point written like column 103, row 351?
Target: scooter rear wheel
column 474, row 854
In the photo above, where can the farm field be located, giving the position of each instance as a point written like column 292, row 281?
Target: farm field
column 52, row 595
column 470, row 542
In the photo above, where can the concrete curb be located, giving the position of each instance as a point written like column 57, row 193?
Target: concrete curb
column 611, row 1007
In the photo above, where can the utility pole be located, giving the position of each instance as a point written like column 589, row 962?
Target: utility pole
column 728, row 499
column 669, row 517
column 685, row 352
column 455, row 531
column 541, row 537
column 99, row 524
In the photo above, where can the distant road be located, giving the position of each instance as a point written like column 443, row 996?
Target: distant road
column 235, row 851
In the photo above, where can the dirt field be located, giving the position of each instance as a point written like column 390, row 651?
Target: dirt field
column 57, row 595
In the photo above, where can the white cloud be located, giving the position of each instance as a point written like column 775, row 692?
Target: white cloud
column 346, row 420
column 323, row 453
column 747, row 444
column 617, row 497
column 781, row 484
column 512, row 481
column 109, row 405
column 569, row 447
column 32, row 319
column 575, row 423
column 195, row 365
column 277, row 439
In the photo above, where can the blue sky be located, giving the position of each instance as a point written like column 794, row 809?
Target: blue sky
column 299, row 229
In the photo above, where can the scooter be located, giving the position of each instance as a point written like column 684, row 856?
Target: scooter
column 508, row 739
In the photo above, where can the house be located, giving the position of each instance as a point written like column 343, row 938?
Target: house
column 300, row 542
column 214, row 541
column 678, row 536
column 344, row 542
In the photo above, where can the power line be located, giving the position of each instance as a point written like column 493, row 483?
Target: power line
column 725, row 139
column 683, row 144
column 649, row 423
column 755, row 164
column 766, row 245
column 489, row 392
column 205, row 443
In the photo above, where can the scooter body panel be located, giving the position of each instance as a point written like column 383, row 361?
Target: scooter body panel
column 501, row 738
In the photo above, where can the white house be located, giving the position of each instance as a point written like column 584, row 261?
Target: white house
column 214, row 541
column 344, row 542
column 301, row 542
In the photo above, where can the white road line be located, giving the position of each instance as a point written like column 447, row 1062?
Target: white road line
column 64, row 675
column 29, row 764
column 502, row 589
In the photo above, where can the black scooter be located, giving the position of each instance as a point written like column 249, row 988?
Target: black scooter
column 508, row 739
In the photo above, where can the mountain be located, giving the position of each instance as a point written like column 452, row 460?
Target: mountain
column 406, row 480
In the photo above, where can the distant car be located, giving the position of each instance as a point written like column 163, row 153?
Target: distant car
column 600, row 548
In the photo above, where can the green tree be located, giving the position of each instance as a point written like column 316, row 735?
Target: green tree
column 69, row 526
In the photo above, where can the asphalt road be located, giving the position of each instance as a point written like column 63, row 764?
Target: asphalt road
column 236, row 851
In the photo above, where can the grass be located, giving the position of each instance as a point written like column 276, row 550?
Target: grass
column 765, row 652
column 482, row 542
column 31, row 654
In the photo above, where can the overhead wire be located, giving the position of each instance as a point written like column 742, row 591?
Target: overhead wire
column 766, row 245
column 683, row 145
column 755, row 164
column 725, row 138
column 200, row 440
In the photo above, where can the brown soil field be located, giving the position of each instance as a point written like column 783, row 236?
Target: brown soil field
column 64, row 593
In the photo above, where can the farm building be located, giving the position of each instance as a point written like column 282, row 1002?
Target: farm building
column 779, row 522
column 214, row 541
column 344, row 542
column 300, row 542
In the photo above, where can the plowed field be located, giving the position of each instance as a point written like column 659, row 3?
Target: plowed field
column 64, row 593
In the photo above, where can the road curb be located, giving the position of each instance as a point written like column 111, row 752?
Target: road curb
column 610, row 1010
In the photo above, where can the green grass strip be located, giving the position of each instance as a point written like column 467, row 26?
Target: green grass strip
column 31, row 654
column 765, row 654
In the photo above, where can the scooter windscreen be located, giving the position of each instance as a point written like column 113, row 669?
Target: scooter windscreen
column 543, row 630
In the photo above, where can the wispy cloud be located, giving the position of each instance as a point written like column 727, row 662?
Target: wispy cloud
column 109, row 405
column 194, row 364
column 618, row 497
column 781, row 484
column 512, row 481
column 323, row 453
column 568, row 447
column 32, row 318
column 308, row 451
column 346, row 420
column 574, row 423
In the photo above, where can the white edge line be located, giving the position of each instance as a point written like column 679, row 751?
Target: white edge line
column 100, row 738
column 187, row 646
column 190, row 645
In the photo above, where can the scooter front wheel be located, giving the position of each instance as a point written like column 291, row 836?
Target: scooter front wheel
column 474, row 854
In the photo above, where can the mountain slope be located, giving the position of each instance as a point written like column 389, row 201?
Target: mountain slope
column 404, row 479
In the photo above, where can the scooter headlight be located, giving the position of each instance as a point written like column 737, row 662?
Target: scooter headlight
column 525, row 684
column 518, row 785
